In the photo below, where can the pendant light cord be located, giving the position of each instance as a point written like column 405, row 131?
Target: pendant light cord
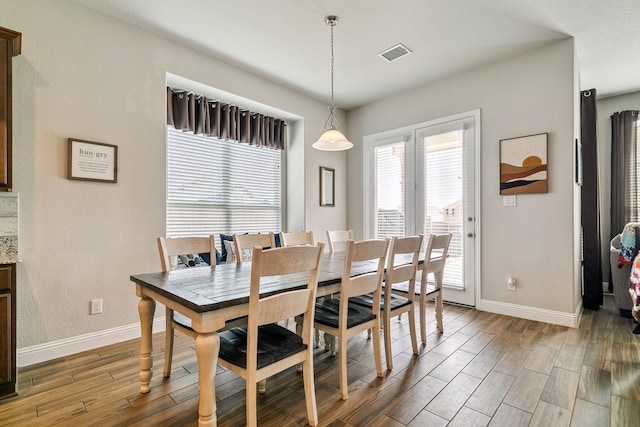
column 329, row 124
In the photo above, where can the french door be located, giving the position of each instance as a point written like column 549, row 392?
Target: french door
column 425, row 179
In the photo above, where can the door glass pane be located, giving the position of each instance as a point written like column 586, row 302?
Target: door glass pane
column 389, row 203
column 443, row 175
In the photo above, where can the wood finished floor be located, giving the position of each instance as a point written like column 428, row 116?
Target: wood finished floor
column 486, row 369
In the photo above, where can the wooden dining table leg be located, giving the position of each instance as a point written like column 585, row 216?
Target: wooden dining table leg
column 207, row 349
column 146, row 308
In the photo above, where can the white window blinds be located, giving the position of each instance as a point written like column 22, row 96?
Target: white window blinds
column 389, row 202
column 216, row 186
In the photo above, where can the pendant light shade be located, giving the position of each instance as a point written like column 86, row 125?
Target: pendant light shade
column 332, row 139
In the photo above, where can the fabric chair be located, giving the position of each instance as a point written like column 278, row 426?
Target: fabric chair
column 434, row 261
column 172, row 251
column 402, row 266
column 341, row 318
column 338, row 239
column 297, row 238
column 244, row 243
column 263, row 348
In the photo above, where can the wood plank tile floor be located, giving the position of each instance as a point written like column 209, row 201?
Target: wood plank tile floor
column 485, row 370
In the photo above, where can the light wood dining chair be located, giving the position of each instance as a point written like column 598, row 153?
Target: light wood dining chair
column 297, row 238
column 338, row 239
column 243, row 244
column 264, row 348
column 170, row 249
column 434, row 261
column 402, row 266
column 341, row 318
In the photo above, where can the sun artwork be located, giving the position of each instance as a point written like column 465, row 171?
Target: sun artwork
column 531, row 161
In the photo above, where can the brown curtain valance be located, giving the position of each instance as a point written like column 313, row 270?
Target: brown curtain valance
column 188, row 111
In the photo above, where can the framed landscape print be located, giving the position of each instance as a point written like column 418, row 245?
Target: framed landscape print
column 523, row 165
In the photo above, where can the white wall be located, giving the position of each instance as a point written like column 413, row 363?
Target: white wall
column 533, row 242
column 606, row 107
column 87, row 76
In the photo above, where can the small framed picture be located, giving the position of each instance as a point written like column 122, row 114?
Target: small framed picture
column 327, row 186
column 92, row 161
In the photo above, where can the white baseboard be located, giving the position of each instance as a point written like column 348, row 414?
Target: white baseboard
column 571, row 320
column 52, row 350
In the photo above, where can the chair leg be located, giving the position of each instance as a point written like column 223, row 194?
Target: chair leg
column 168, row 343
column 310, row 391
column 439, row 313
column 252, row 405
column 344, row 386
column 387, row 342
column 423, row 320
column 316, row 340
column 412, row 329
column 377, row 355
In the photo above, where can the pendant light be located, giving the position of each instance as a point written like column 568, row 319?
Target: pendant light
column 332, row 139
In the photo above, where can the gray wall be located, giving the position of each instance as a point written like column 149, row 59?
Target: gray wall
column 84, row 75
column 535, row 241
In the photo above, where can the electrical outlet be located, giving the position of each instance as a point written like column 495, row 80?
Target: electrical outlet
column 511, row 284
column 96, row 306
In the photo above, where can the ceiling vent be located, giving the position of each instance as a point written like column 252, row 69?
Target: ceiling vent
column 395, row 52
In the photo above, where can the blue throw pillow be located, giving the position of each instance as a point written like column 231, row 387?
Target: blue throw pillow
column 206, row 257
column 277, row 236
column 223, row 252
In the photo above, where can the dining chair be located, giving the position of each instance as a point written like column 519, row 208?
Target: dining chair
column 243, row 244
column 296, row 238
column 264, row 348
column 434, row 261
column 338, row 239
column 402, row 266
column 175, row 252
column 341, row 318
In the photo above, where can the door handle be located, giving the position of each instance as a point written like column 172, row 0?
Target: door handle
column 469, row 234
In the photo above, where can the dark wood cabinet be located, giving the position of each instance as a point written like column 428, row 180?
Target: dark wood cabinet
column 7, row 330
column 10, row 45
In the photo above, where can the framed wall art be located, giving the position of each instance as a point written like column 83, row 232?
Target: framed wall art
column 92, row 161
column 523, row 165
column 327, row 186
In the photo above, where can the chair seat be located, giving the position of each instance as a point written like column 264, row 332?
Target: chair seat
column 327, row 313
column 367, row 301
column 404, row 287
column 274, row 343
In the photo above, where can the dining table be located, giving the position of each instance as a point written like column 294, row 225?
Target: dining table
column 211, row 297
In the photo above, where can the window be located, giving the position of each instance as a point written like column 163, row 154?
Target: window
column 216, row 186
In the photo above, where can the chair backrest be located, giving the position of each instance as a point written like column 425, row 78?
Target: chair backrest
column 244, row 244
column 171, row 248
column 435, row 257
column 338, row 239
column 300, row 264
column 402, row 265
column 297, row 238
column 353, row 282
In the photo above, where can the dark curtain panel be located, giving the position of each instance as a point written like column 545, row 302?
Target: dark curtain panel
column 591, row 245
column 624, row 175
column 188, row 111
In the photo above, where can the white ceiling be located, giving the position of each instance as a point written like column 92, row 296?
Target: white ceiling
column 287, row 41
